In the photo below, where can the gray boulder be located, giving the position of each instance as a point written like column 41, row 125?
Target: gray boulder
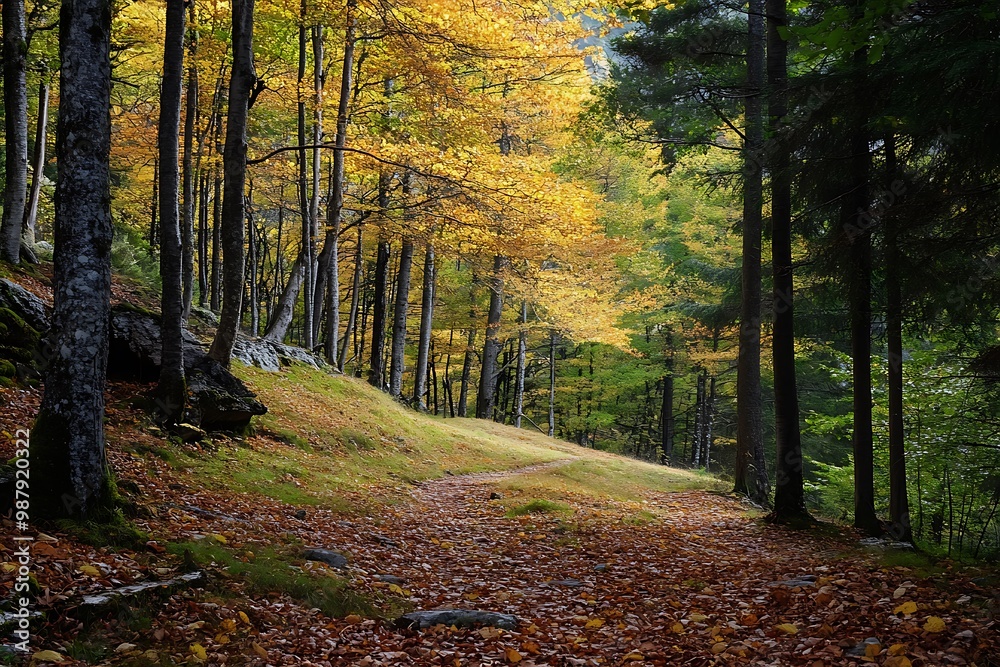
column 331, row 558
column 34, row 311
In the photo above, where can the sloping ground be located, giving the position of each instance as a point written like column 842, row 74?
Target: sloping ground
column 604, row 561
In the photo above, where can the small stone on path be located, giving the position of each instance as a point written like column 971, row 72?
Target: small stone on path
column 390, row 579
column 331, row 558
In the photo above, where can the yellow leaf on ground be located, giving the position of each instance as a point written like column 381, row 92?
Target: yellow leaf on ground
column 595, row 623
column 395, row 588
column 352, row 619
column 512, row 656
column 228, row 625
column 198, row 651
column 787, row 628
column 218, row 538
column 872, row 650
column 633, row 656
column 898, row 661
column 697, row 618
column 48, row 656
column 260, row 650
column 906, row 608
column 934, row 624
column 719, row 647
column 897, row 649
column 244, row 618
column 678, row 628
column 90, row 570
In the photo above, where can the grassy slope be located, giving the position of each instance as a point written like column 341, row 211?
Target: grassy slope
column 335, row 441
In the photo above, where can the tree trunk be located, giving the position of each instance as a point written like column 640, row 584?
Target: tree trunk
column 203, row 242
column 241, row 82
column 154, row 229
column 38, row 164
column 284, row 311
column 899, row 505
column 552, row 383
column 68, row 465
column 187, row 226
column 463, row 392
column 751, row 470
column 376, row 374
column 667, row 419
column 171, row 387
column 337, row 195
column 252, row 251
column 709, row 422
column 308, row 242
column 399, row 319
column 522, row 350
column 426, row 322
column 491, row 348
column 317, row 168
column 216, row 246
column 15, row 104
column 699, row 422
column 857, row 225
column 352, row 317
column 789, row 495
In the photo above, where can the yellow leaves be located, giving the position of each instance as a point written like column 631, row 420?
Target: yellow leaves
column 678, row 628
column 594, row 623
column 634, row 656
column 907, row 608
column 787, row 628
column 90, row 570
column 244, row 618
column 48, row 656
column 934, row 624
column 897, row 661
column 259, row 650
column 872, row 650
column 199, row 652
column 512, row 656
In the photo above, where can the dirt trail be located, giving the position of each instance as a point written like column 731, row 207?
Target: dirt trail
column 680, row 579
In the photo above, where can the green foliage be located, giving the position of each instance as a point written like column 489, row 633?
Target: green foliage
column 536, row 506
column 272, row 571
column 131, row 257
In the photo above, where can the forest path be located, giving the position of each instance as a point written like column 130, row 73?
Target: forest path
column 685, row 578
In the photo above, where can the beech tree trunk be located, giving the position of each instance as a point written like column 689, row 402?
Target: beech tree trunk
column 308, row 240
column 281, row 317
column 68, row 465
column 171, row 389
column 491, row 348
column 400, row 312
column 552, row 383
column 667, row 419
column 789, row 495
column 376, row 373
column 15, row 104
column 352, row 316
column 336, row 204
column 463, row 392
column 751, row 470
column 522, row 351
column 241, row 83
column 37, row 164
column 203, row 201
column 216, row 246
column 426, row 323
column 187, row 227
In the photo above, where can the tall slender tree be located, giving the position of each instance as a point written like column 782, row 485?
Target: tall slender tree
column 789, row 494
column 751, row 470
column 241, row 84
column 15, row 103
column 171, row 388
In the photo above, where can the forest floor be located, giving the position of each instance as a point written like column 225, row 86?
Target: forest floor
column 604, row 560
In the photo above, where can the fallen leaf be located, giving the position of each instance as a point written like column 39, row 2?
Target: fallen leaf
column 872, row 650
column 260, row 650
column 897, row 661
column 48, row 656
column 512, row 655
column 198, row 651
column 787, row 628
column 909, row 607
column 594, row 623
column 934, row 624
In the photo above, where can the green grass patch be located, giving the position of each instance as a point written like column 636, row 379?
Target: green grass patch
column 536, row 506
column 271, row 571
column 923, row 565
column 606, row 476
